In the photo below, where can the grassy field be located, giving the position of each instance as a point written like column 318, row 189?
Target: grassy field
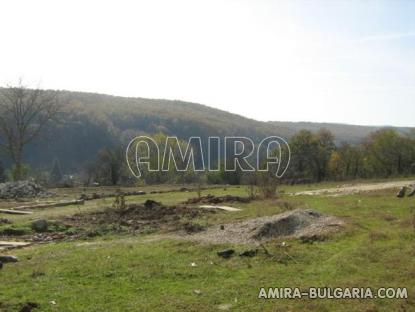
column 153, row 272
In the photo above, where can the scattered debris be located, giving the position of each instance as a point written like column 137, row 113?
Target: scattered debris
column 226, row 254
column 211, row 199
column 8, row 259
column 49, row 237
column 401, row 192
column 193, row 264
column 226, row 208
column 40, row 225
column 51, row 205
column 291, row 224
column 15, row 212
column 197, row 291
column 249, row 253
column 22, row 189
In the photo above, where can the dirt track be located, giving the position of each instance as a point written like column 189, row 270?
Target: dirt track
column 356, row 188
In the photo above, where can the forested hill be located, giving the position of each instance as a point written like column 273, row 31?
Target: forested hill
column 92, row 121
column 342, row 132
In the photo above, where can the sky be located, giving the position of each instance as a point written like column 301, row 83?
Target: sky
column 322, row 61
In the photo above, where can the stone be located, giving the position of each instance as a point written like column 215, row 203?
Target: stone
column 5, row 221
column 249, row 253
column 8, row 259
column 227, row 253
column 412, row 192
column 29, row 307
column 401, row 192
column 40, row 225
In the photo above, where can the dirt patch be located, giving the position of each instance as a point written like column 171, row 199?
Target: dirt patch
column 211, row 199
column 149, row 217
column 308, row 225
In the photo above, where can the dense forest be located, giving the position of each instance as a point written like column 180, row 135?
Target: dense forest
column 89, row 136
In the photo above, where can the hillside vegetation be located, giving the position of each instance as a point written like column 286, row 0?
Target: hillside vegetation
column 93, row 121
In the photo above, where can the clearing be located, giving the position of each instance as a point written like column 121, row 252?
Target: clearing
column 159, row 250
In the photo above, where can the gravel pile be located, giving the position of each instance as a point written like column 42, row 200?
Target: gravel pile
column 21, row 189
column 305, row 224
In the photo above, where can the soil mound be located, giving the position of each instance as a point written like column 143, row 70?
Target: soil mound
column 308, row 225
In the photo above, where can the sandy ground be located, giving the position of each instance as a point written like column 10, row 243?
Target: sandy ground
column 356, row 188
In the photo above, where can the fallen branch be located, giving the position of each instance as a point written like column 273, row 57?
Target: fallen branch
column 13, row 244
column 16, row 212
column 51, row 205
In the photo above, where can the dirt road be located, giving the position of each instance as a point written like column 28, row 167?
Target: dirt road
column 356, row 188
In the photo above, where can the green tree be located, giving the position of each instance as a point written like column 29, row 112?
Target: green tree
column 388, row 153
column 303, row 147
column 325, row 146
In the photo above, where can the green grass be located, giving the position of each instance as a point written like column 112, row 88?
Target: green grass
column 150, row 273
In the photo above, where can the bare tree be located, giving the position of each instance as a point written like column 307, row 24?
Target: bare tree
column 24, row 113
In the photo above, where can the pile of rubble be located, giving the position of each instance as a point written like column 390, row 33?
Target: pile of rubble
column 21, row 189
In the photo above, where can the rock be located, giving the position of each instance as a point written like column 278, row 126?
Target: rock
column 40, row 225
column 5, row 221
column 401, row 192
column 227, row 253
column 411, row 192
column 28, row 307
column 312, row 238
column 151, row 203
column 8, row 259
column 249, row 253
column 191, row 228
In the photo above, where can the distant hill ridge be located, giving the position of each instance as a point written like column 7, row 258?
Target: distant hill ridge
column 93, row 121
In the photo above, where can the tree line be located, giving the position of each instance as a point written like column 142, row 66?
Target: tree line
column 25, row 114
column 314, row 158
